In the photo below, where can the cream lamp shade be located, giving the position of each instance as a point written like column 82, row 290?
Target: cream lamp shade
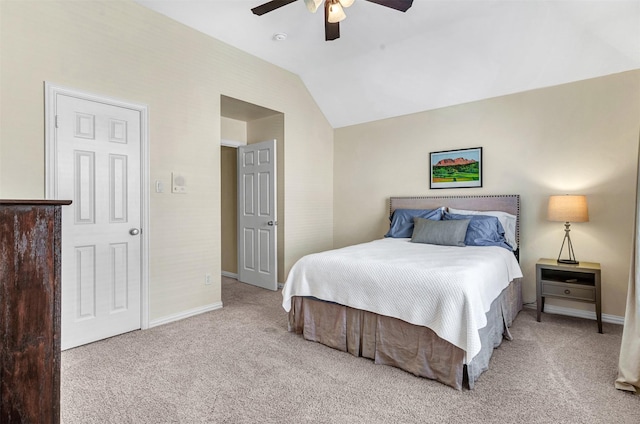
column 568, row 208
column 313, row 5
column 336, row 13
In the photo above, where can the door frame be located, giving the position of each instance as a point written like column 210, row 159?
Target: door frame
column 224, row 142
column 50, row 93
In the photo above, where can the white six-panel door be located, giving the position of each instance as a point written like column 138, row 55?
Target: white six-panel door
column 98, row 167
column 257, row 241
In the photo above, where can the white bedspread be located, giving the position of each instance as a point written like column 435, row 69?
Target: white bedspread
column 448, row 289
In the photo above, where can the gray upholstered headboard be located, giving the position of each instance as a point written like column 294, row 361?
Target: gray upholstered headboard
column 508, row 203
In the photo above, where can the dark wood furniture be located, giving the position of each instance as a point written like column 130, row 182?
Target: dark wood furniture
column 30, row 311
column 571, row 282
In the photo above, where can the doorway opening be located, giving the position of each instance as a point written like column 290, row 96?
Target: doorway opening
column 243, row 124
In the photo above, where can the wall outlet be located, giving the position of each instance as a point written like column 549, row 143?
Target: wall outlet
column 207, row 279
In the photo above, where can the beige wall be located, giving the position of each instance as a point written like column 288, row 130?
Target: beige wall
column 122, row 50
column 575, row 138
column 233, row 130
column 229, row 209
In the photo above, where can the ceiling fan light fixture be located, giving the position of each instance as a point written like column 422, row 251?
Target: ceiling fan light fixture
column 313, row 5
column 336, row 13
column 333, row 11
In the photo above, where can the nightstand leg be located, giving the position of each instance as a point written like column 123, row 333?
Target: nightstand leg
column 599, row 317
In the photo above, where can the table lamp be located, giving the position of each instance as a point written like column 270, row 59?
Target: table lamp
column 568, row 208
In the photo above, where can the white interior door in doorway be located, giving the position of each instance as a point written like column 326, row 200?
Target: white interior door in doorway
column 257, row 236
column 98, row 165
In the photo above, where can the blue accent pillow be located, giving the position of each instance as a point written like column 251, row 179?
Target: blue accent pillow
column 483, row 230
column 402, row 220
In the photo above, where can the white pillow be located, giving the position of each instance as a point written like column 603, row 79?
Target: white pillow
column 507, row 220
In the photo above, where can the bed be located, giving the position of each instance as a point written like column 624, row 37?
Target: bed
column 434, row 310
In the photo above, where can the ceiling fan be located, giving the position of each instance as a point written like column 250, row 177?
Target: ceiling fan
column 333, row 11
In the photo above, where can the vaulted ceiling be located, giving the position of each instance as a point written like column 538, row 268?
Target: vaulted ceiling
column 439, row 53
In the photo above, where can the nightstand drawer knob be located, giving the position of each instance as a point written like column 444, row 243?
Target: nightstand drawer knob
column 567, row 291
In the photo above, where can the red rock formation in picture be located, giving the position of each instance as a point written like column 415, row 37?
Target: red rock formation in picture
column 454, row 162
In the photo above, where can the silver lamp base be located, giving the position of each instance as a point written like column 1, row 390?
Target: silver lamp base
column 567, row 240
column 568, row 261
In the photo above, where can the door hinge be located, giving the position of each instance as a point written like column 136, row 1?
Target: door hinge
column 56, row 121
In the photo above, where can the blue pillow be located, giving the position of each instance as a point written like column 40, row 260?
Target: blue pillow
column 402, row 220
column 483, row 230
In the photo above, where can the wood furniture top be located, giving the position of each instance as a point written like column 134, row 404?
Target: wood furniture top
column 36, row 202
column 553, row 263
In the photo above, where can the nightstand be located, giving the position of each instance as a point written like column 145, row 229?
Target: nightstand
column 571, row 282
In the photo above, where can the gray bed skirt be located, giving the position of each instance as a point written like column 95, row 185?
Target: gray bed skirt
column 390, row 341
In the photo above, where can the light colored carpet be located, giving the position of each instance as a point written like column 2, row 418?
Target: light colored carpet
column 240, row 365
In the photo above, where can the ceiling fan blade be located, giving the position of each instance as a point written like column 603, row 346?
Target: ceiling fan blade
column 401, row 5
column 270, row 6
column 331, row 30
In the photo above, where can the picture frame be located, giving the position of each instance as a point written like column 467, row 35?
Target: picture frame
column 461, row 168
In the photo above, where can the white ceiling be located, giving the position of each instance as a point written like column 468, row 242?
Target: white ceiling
column 439, row 53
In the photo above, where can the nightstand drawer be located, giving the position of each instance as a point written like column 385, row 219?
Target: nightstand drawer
column 571, row 291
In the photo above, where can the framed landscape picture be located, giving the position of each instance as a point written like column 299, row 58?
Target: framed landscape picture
column 456, row 168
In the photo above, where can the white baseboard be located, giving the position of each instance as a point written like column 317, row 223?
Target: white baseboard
column 235, row 276
column 229, row 274
column 578, row 313
column 185, row 314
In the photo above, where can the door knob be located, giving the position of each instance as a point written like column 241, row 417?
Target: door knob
column 134, row 231
column 272, row 223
